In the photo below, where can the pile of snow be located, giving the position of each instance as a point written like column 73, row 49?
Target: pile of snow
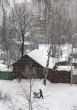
column 4, row 67
column 56, row 96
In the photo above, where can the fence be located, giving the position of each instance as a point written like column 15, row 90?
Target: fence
column 4, row 75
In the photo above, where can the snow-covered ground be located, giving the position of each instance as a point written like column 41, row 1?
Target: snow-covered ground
column 56, row 96
column 4, row 67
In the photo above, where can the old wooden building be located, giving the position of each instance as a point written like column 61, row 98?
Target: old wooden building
column 59, row 76
column 34, row 64
column 26, row 66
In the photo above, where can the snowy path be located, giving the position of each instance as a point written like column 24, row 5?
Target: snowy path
column 56, row 96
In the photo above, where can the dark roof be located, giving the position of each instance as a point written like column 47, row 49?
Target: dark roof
column 62, row 63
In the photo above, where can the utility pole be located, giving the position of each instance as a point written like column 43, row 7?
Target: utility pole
column 71, row 62
column 30, row 89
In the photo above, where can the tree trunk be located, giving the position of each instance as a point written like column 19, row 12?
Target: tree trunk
column 47, row 64
column 71, row 67
column 22, row 54
column 22, row 48
column 30, row 101
column 3, row 27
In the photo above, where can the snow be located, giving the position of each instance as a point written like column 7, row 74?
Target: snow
column 74, row 60
column 44, row 48
column 1, row 61
column 56, row 96
column 4, row 67
column 66, row 68
column 25, row 43
column 40, row 55
column 1, row 51
column 75, row 71
column 41, row 58
column 65, row 48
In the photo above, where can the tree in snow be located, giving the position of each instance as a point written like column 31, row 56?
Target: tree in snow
column 4, row 6
column 28, row 90
column 56, row 25
column 19, row 18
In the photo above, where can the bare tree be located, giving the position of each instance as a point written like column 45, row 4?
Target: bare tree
column 20, row 18
column 4, row 4
column 56, row 25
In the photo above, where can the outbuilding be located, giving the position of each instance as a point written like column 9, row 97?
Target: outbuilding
column 34, row 62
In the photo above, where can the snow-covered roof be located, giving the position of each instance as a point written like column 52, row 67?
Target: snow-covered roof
column 40, row 55
column 41, row 58
column 64, row 68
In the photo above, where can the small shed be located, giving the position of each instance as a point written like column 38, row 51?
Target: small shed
column 26, row 65
column 61, row 73
column 35, row 61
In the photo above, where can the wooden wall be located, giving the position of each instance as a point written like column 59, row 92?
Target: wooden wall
column 59, row 76
column 26, row 66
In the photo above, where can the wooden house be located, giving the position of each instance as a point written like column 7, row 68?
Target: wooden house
column 34, row 63
column 61, row 73
column 26, row 66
